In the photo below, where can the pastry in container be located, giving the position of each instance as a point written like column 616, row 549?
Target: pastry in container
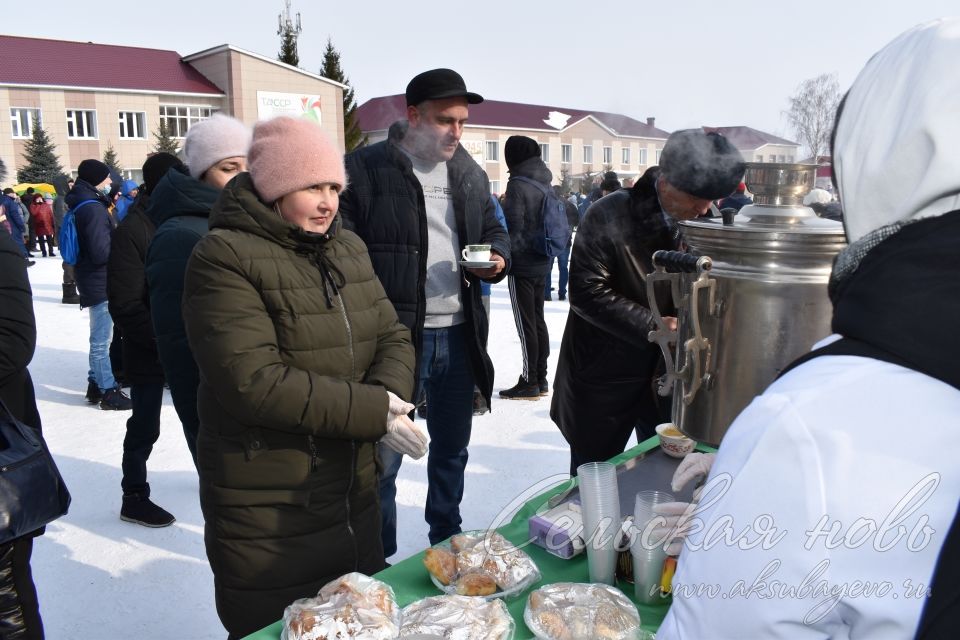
column 457, row 618
column 352, row 606
column 480, row 563
column 577, row 611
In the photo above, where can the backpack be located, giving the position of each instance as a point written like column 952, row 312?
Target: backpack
column 68, row 241
column 556, row 228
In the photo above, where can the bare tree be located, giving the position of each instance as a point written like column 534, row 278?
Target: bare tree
column 812, row 111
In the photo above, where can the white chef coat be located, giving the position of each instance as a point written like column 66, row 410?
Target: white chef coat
column 840, row 438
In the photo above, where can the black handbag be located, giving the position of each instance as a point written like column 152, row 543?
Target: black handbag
column 32, row 492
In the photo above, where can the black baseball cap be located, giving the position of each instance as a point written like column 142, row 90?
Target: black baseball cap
column 439, row 83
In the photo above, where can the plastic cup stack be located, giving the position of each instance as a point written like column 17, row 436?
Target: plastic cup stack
column 600, row 504
column 648, row 557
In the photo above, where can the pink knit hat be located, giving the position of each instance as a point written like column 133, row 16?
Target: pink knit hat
column 289, row 154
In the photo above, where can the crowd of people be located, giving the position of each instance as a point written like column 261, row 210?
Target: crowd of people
column 300, row 304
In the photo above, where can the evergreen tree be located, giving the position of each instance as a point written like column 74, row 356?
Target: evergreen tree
column 288, row 31
column 43, row 165
column 110, row 159
column 165, row 143
column 288, row 48
column 353, row 137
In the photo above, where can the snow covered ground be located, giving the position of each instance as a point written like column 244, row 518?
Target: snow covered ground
column 99, row 577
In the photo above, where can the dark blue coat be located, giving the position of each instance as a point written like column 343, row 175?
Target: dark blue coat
column 179, row 207
column 94, row 230
column 521, row 207
column 18, row 226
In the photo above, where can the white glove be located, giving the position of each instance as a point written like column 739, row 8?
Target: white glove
column 694, row 465
column 404, row 437
column 398, row 406
column 679, row 514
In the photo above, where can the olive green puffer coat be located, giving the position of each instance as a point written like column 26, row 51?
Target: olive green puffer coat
column 296, row 343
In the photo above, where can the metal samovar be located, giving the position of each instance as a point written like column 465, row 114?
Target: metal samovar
column 751, row 296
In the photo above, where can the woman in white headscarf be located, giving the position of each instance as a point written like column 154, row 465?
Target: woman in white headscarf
column 848, row 461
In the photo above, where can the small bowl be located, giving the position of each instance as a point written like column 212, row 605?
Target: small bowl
column 673, row 445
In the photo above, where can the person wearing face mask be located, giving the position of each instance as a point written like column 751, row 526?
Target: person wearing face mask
column 41, row 212
column 304, row 368
column 89, row 200
column 604, row 386
column 215, row 151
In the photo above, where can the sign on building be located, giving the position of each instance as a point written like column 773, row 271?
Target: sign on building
column 271, row 104
column 474, row 148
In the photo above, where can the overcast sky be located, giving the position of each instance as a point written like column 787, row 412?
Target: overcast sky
column 686, row 62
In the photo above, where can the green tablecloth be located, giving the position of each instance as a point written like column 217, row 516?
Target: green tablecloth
column 411, row 582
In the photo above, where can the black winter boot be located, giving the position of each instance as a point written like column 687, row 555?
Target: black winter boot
column 70, row 295
column 93, row 392
column 115, row 400
column 140, row 510
column 523, row 390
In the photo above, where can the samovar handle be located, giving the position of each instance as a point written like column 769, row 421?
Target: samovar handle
column 667, row 267
column 695, row 367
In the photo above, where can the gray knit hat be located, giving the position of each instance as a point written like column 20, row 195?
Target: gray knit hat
column 210, row 141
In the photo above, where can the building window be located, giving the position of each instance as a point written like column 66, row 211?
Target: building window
column 625, row 155
column 495, row 187
column 643, row 156
column 493, row 151
column 545, row 152
column 658, row 155
column 781, row 158
column 758, row 158
column 178, row 119
column 566, row 153
column 21, row 121
column 790, row 159
column 587, row 154
column 607, row 155
column 81, row 123
column 133, row 124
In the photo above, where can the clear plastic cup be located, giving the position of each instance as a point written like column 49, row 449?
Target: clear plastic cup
column 644, row 505
column 648, row 549
column 600, row 507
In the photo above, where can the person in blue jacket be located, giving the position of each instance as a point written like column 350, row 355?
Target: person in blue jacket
column 18, row 227
column 88, row 198
column 128, row 193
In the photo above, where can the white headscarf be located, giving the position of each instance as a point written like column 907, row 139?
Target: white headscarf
column 897, row 149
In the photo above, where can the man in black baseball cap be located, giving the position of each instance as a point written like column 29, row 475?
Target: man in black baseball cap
column 439, row 83
column 418, row 199
column 436, row 114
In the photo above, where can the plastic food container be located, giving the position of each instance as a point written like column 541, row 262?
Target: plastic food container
column 582, row 611
column 482, row 564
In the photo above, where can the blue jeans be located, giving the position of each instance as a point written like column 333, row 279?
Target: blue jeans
column 101, row 327
column 447, row 378
column 564, row 259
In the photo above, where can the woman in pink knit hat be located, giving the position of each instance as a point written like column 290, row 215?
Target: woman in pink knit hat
column 304, row 367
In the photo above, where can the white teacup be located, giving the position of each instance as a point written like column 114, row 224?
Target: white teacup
column 476, row 253
column 673, row 442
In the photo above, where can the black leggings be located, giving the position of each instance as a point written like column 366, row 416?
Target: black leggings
column 46, row 245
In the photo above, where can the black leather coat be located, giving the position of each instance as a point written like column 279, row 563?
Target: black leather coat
column 604, row 380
